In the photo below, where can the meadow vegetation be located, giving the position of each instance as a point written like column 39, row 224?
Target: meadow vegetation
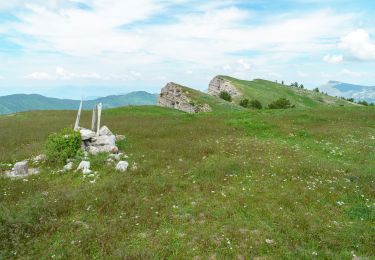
column 240, row 184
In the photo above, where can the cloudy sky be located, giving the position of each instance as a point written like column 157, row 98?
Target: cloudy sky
column 69, row 48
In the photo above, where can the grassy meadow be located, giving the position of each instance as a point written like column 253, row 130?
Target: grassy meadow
column 268, row 184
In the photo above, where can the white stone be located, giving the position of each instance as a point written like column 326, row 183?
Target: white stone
column 86, row 171
column 103, row 140
column 86, row 134
column 68, row 166
column 122, row 166
column 104, row 130
column 120, row 138
column 21, row 168
column 84, row 165
column 94, row 150
column 117, row 157
column 40, row 158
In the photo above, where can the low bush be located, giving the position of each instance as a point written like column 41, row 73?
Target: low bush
column 254, row 103
column 245, row 103
column 226, row 96
column 281, row 103
column 62, row 145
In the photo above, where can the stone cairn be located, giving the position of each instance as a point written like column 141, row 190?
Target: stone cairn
column 97, row 139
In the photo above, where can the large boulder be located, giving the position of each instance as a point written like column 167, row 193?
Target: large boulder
column 220, row 84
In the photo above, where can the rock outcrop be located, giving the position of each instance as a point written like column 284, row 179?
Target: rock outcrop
column 174, row 96
column 220, row 84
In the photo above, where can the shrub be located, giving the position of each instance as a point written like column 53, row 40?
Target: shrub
column 226, row 96
column 281, row 103
column 256, row 104
column 316, row 90
column 63, row 145
column 363, row 103
column 244, row 102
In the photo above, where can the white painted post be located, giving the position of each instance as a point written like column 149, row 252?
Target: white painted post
column 99, row 115
column 76, row 125
column 93, row 120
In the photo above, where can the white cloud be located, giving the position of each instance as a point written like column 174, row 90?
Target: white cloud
column 63, row 74
column 302, row 74
column 38, row 76
column 334, row 59
column 358, row 46
column 244, row 65
column 350, row 73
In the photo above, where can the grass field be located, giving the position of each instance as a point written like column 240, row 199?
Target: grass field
column 281, row 184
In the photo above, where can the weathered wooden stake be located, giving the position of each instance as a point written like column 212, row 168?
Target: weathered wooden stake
column 93, row 121
column 76, row 125
column 99, row 115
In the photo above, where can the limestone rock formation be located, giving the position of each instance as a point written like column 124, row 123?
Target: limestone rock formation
column 174, row 96
column 220, row 84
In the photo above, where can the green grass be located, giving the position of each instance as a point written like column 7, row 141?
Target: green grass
column 267, row 91
column 204, row 186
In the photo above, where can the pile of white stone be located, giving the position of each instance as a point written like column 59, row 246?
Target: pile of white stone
column 104, row 141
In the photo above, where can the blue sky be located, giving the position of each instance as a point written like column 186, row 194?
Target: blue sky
column 72, row 48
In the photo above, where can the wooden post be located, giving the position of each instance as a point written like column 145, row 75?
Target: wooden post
column 76, row 125
column 93, row 121
column 99, row 116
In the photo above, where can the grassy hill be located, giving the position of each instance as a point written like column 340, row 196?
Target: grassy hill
column 22, row 102
column 267, row 91
column 269, row 184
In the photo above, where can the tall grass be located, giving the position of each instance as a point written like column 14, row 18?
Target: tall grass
column 291, row 184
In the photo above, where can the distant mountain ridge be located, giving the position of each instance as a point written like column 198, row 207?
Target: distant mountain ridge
column 25, row 102
column 341, row 89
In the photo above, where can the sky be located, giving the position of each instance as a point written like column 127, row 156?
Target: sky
column 74, row 48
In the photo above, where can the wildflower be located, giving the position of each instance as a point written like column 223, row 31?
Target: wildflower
column 314, row 253
column 269, row 241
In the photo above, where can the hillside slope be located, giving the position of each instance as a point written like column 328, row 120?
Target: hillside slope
column 267, row 91
column 22, row 102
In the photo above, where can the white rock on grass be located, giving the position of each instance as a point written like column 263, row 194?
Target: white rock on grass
column 68, row 167
column 84, row 166
column 86, row 134
column 21, row 168
column 117, row 157
column 105, row 131
column 40, row 158
column 122, row 166
column 120, row 138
